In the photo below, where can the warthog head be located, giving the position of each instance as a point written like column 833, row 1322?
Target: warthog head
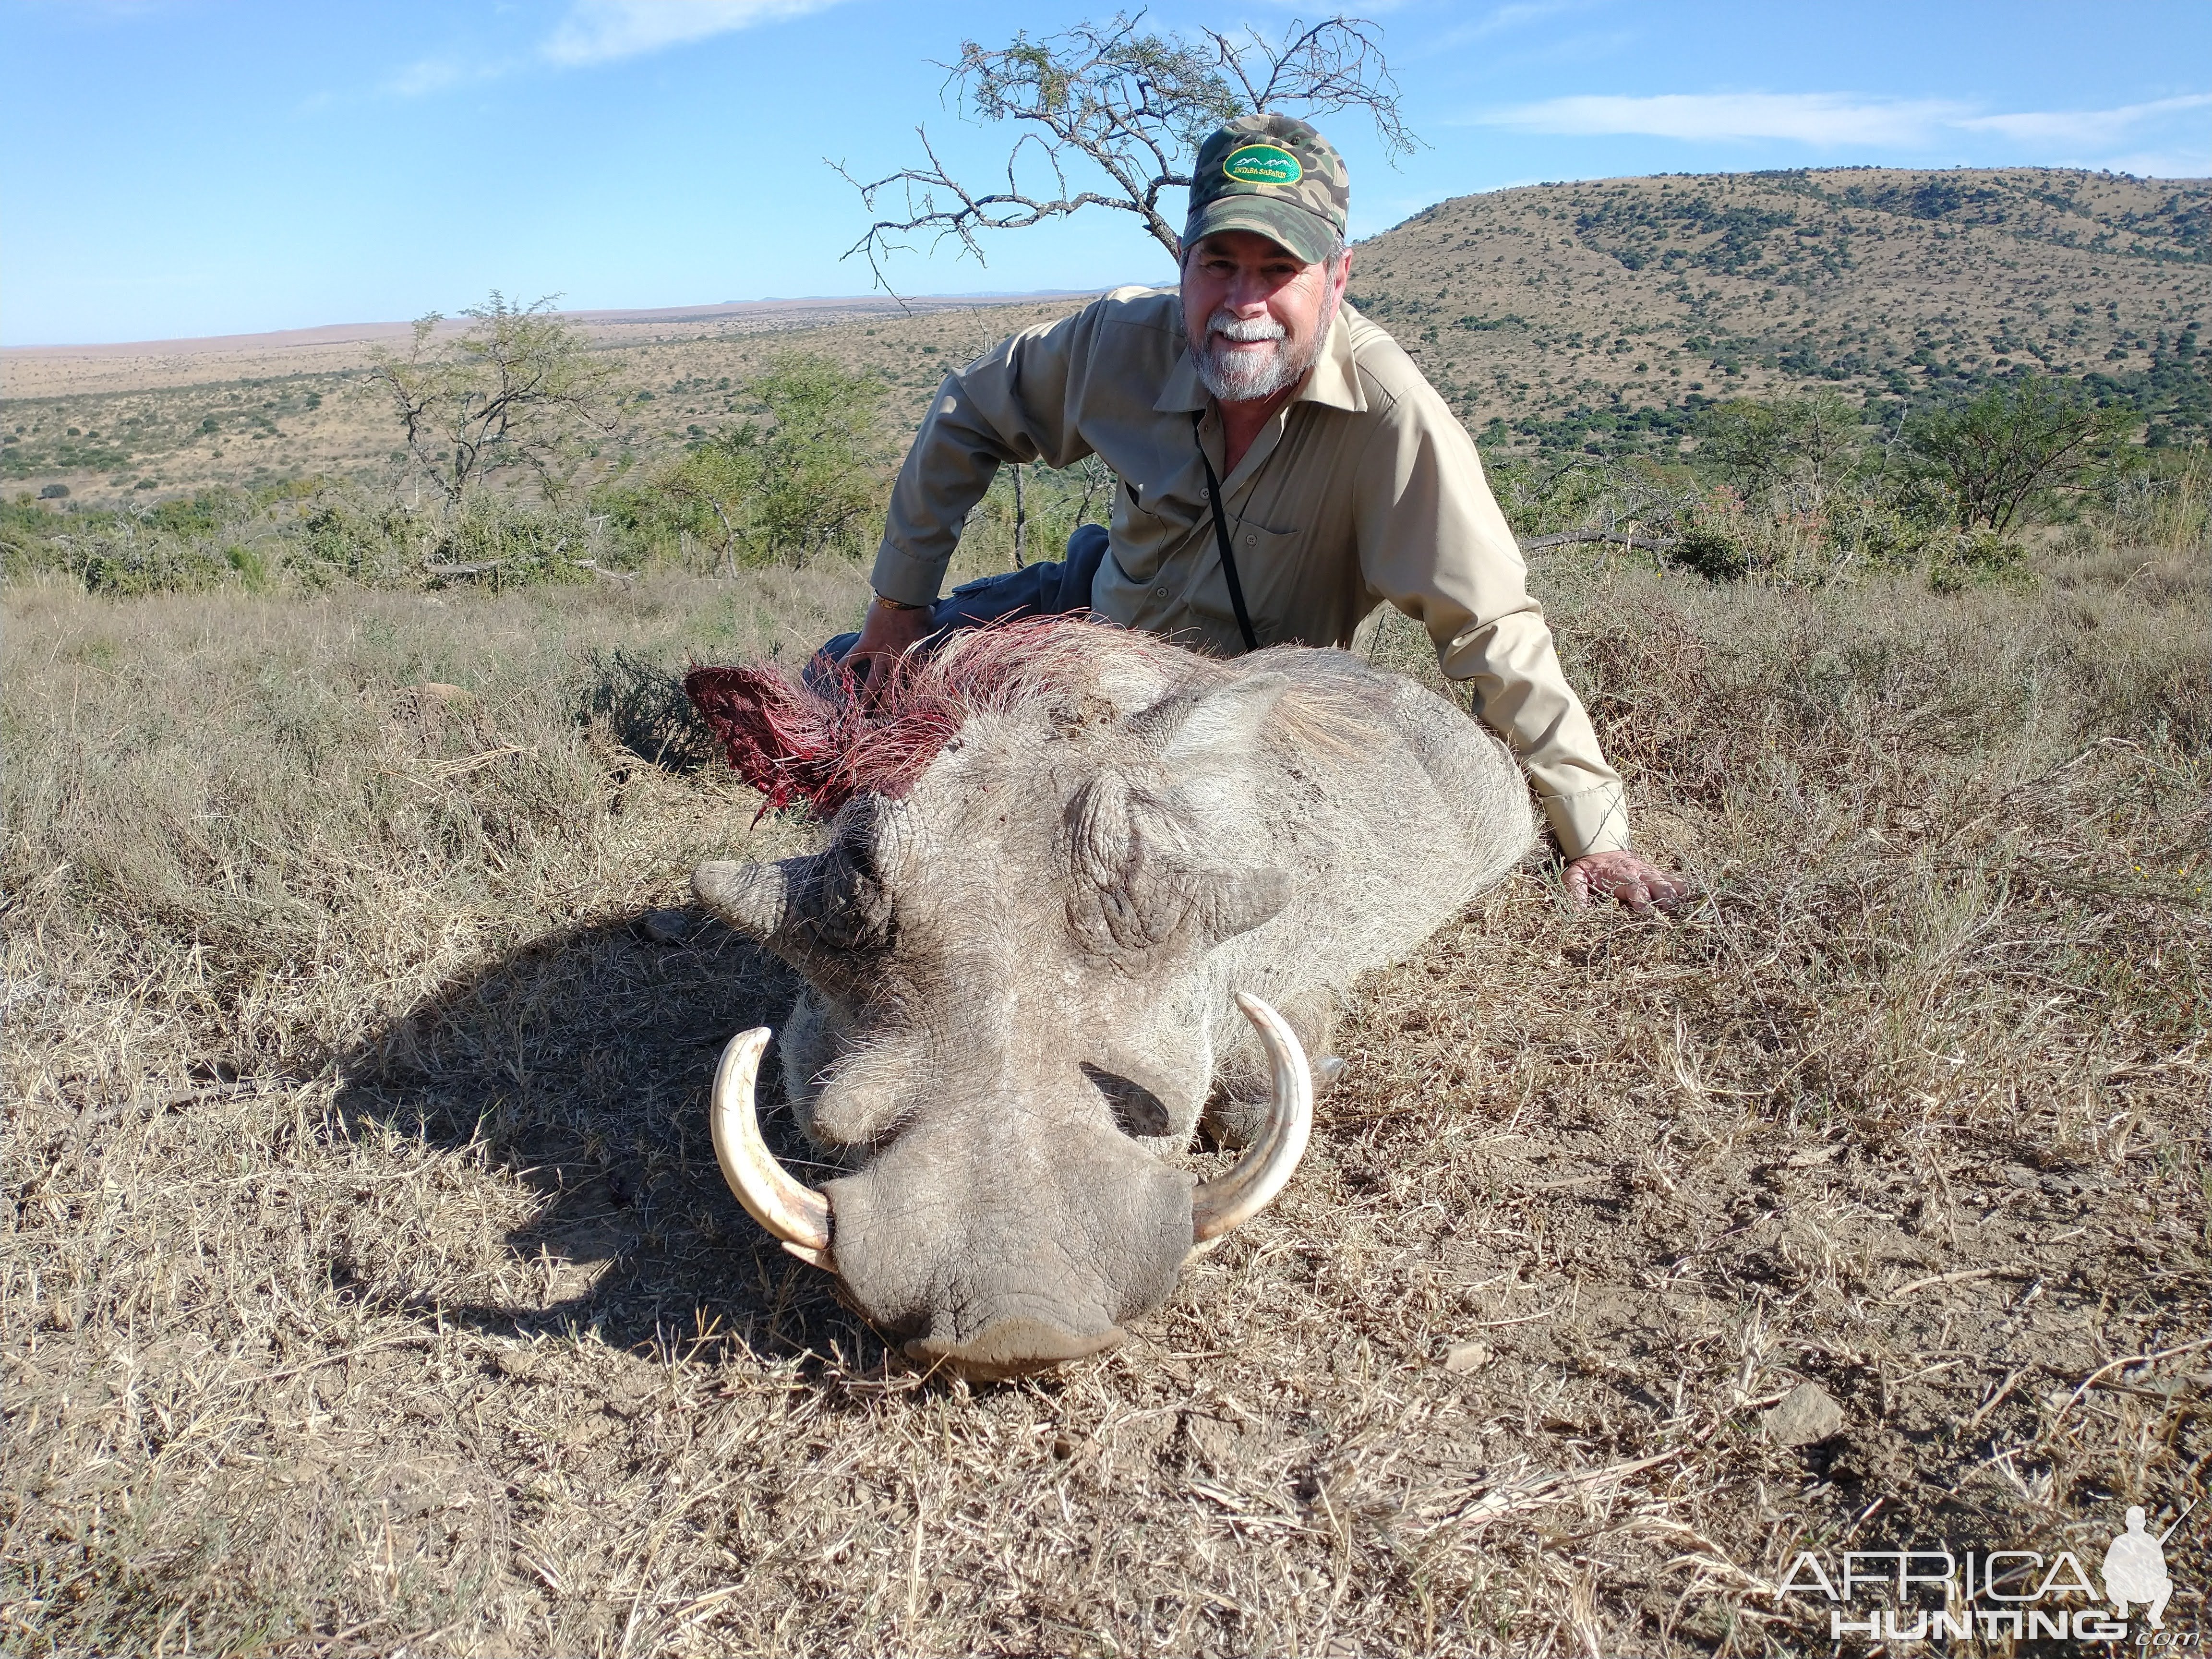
column 1021, row 945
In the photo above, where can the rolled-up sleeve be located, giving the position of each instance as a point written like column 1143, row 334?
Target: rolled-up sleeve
column 1433, row 542
column 1015, row 403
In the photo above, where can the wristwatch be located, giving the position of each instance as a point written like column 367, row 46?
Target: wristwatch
column 898, row 605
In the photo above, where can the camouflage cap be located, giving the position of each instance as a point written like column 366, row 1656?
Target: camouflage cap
column 1271, row 174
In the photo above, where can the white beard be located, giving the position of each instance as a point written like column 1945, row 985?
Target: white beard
column 1248, row 377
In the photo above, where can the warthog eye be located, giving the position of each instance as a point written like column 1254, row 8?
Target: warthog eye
column 1137, row 1110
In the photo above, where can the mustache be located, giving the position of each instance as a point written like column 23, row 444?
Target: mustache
column 1230, row 326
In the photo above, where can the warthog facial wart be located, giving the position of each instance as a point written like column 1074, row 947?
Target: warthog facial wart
column 1080, row 890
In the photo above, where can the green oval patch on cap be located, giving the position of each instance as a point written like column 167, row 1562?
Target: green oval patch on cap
column 1262, row 164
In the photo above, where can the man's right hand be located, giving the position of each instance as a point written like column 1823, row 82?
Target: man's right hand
column 887, row 634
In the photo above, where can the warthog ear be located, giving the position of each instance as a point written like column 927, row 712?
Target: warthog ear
column 1190, row 728
column 753, row 898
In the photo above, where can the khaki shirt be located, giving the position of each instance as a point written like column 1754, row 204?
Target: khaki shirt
column 1364, row 489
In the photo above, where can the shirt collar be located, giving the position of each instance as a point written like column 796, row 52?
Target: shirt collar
column 1333, row 382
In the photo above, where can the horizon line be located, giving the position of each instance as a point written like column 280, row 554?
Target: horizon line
column 641, row 316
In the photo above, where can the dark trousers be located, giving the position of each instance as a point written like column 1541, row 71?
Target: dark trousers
column 1036, row 590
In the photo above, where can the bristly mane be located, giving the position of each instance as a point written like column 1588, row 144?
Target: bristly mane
column 794, row 745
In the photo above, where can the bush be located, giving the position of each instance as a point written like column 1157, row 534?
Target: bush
column 251, row 565
column 808, row 480
column 2012, row 448
column 1970, row 556
column 123, row 554
column 345, row 538
column 1707, row 548
column 519, row 387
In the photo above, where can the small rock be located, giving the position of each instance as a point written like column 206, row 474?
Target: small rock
column 1212, row 1442
column 668, row 927
column 1467, row 1357
column 1805, row 1416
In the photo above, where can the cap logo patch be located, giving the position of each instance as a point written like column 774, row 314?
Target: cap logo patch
column 1262, row 164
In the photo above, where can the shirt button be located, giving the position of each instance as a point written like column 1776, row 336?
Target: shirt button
column 1251, row 541
column 1159, row 592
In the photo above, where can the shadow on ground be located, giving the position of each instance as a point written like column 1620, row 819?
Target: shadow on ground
column 580, row 1063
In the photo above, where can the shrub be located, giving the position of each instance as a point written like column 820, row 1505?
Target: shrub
column 525, row 542
column 519, row 387
column 345, row 538
column 1707, row 548
column 808, row 480
column 1970, row 556
column 123, row 554
column 251, row 565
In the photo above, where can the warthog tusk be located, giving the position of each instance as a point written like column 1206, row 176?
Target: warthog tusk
column 787, row 1208
column 1228, row 1201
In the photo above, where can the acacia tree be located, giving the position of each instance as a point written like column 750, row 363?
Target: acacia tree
column 2011, row 445
column 1795, row 443
column 1109, row 115
column 520, row 387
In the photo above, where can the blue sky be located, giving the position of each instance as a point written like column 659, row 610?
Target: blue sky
column 181, row 167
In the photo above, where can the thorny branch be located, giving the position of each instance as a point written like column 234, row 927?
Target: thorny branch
column 1129, row 104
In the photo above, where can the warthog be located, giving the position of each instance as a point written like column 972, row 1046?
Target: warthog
column 1061, row 858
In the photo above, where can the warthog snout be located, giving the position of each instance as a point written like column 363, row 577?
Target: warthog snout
column 1037, row 1254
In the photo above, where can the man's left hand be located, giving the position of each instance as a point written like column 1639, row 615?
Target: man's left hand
column 1635, row 881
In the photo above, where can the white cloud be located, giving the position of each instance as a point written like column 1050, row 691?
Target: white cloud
column 2083, row 126
column 1501, row 18
column 601, row 30
column 1833, row 119
column 1811, row 118
column 436, row 75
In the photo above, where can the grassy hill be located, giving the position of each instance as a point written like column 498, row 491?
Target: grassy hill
column 1567, row 313
column 1642, row 294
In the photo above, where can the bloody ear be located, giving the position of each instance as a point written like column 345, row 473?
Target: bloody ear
column 780, row 737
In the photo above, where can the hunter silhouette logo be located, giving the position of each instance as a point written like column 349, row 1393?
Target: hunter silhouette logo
column 2134, row 1569
column 2018, row 1593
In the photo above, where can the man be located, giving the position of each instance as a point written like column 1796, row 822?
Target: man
column 1343, row 482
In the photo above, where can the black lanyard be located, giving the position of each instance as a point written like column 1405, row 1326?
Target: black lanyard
column 1221, row 536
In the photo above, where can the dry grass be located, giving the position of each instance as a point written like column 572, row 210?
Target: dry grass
column 369, row 1284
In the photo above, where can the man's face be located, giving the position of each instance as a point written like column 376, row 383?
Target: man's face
column 1255, row 314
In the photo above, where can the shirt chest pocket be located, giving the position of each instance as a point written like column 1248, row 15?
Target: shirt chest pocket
column 1269, row 564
